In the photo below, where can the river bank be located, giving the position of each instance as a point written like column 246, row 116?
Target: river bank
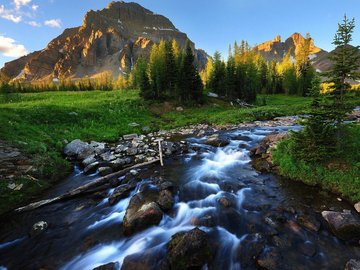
column 244, row 219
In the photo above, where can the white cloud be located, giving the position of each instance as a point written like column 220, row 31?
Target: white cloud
column 53, row 23
column 8, row 14
column 33, row 23
column 9, row 47
column 19, row 3
column 34, row 7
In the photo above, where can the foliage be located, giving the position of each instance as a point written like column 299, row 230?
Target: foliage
column 170, row 74
column 340, row 175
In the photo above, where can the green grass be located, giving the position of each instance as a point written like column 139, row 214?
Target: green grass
column 39, row 123
column 341, row 176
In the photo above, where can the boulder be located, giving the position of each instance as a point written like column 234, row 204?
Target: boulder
column 109, row 266
column 91, row 168
column 249, row 249
column 165, row 200
column 344, row 225
column 352, row 265
column 89, row 160
column 79, row 150
column 121, row 192
column 38, row 228
column 140, row 216
column 189, row 250
column 270, row 259
column 357, row 207
column 216, row 141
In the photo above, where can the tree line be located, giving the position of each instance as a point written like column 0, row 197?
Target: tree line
column 169, row 74
column 246, row 73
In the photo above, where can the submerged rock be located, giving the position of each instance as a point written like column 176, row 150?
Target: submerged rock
column 188, row 250
column 270, row 259
column 38, row 228
column 344, row 225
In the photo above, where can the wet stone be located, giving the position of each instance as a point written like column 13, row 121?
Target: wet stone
column 307, row 248
column 109, row 266
column 270, row 259
column 352, row 265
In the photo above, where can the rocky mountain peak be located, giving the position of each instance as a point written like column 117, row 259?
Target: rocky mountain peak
column 110, row 39
column 276, row 49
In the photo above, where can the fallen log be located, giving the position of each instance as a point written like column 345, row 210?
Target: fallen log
column 83, row 189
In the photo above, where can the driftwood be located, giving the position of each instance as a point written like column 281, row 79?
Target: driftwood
column 83, row 189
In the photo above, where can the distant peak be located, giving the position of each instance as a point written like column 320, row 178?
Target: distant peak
column 277, row 39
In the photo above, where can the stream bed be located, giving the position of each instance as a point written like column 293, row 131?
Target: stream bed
column 243, row 213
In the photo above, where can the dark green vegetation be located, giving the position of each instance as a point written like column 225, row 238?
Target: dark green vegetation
column 340, row 175
column 38, row 123
column 169, row 74
column 326, row 151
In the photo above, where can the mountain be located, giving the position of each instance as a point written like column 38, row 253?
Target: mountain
column 111, row 39
column 323, row 62
column 276, row 49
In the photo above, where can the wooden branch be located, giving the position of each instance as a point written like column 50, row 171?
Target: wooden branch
column 83, row 189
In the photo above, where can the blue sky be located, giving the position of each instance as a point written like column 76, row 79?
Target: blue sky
column 28, row 25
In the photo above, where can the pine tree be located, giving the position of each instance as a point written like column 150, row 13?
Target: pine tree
column 345, row 59
column 217, row 78
column 141, row 79
column 304, row 68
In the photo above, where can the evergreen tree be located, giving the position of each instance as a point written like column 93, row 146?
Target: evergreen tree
column 189, row 84
column 304, row 68
column 217, row 78
column 141, row 79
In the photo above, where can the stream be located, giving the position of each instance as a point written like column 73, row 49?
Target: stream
column 263, row 211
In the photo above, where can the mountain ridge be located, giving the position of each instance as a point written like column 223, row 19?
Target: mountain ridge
column 110, row 39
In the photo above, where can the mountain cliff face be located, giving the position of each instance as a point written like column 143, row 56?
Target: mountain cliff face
column 276, row 49
column 111, row 39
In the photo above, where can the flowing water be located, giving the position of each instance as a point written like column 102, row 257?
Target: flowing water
column 86, row 232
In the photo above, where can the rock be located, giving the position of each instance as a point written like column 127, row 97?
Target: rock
column 309, row 222
column 133, row 124
column 38, row 228
column 109, row 266
column 165, row 200
column 132, row 151
column 249, row 249
column 134, row 172
column 307, row 248
column 130, row 137
column 352, row 265
column 189, row 250
column 179, row 109
column 261, row 165
column 357, row 207
column 121, row 192
column 141, row 215
column 108, row 156
column 216, row 141
column 270, row 259
column 345, row 226
column 150, row 259
column 78, row 149
column 225, row 202
column 117, row 163
column 98, row 147
column 91, row 168
column 89, row 160
column 105, row 171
